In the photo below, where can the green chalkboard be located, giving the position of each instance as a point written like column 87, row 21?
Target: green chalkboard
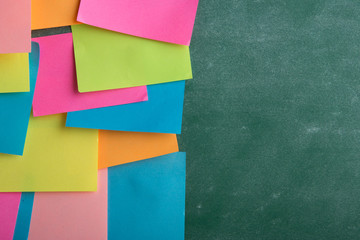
column 272, row 121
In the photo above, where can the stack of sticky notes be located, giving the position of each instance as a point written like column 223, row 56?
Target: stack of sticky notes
column 88, row 119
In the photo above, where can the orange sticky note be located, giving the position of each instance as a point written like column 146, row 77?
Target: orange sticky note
column 54, row 13
column 116, row 147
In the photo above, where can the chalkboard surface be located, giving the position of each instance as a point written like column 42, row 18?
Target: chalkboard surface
column 272, row 120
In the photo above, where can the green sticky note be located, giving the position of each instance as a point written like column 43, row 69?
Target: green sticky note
column 14, row 72
column 109, row 60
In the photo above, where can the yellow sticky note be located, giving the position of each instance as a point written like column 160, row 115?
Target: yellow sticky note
column 14, row 72
column 55, row 158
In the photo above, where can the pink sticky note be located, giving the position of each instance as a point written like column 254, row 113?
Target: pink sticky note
column 56, row 84
column 9, row 207
column 15, row 27
column 162, row 20
column 71, row 215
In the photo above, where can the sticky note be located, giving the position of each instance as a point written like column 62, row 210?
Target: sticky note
column 117, row 147
column 15, row 111
column 55, row 158
column 9, row 206
column 71, row 215
column 108, row 60
column 24, row 216
column 15, row 31
column 147, row 199
column 162, row 20
column 161, row 114
column 14, row 72
column 56, row 88
column 54, row 13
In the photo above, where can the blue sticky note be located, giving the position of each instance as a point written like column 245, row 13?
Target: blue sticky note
column 24, row 216
column 15, row 111
column 146, row 199
column 162, row 113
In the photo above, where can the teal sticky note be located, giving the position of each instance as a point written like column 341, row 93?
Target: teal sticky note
column 15, row 111
column 146, row 199
column 24, row 216
column 162, row 113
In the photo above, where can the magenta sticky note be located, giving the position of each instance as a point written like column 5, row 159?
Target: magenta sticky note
column 162, row 20
column 9, row 207
column 56, row 85
column 15, row 26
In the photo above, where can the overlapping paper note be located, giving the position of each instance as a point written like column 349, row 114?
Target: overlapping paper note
column 147, row 199
column 14, row 72
column 71, row 215
column 122, row 72
column 9, row 206
column 162, row 113
column 117, row 147
column 15, row 110
column 109, row 60
column 15, row 31
column 54, row 13
column 56, row 89
column 55, row 158
column 162, row 20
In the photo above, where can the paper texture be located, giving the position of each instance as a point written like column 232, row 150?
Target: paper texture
column 71, row 215
column 9, row 206
column 15, row 31
column 163, row 20
column 147, row 199
column 56, row 89
column 14, row 72
column 109, row 60
column 15, row 111
column 161, row 114
column 117, row 147
column 54, row 13
column 55, row 158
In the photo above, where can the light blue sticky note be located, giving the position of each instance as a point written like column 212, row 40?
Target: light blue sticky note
column 146, row 199
column 162, row 113
column 15, row 111
column 24, row 216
